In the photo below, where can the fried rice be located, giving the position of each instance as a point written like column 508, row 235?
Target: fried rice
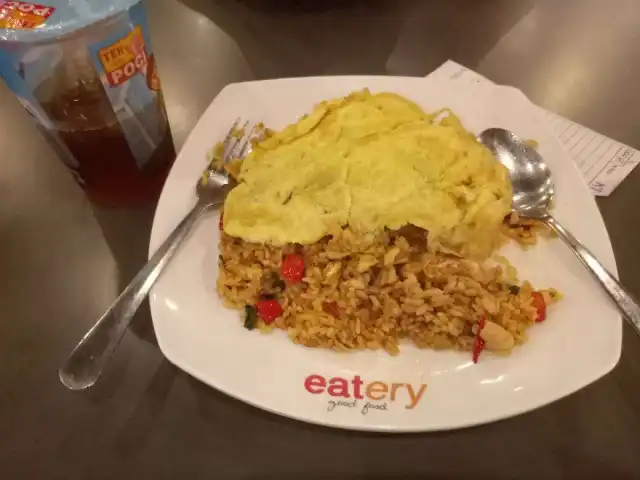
column 372, row 291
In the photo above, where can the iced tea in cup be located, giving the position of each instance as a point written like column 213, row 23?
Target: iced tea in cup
column 87, row 74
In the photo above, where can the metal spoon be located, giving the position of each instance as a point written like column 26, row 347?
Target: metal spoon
column 86, row 362
column 533, row 191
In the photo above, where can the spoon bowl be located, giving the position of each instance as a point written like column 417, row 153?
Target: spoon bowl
column 533, row 187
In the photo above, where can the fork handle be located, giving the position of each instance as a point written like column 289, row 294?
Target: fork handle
column 89, row 357
column 623, row 299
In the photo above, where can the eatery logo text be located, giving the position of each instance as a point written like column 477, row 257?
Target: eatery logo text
column 364, row 396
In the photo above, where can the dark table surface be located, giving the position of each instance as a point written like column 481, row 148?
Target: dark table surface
column 62, row 262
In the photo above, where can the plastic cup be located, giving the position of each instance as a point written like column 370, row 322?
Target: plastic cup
column 87, row 74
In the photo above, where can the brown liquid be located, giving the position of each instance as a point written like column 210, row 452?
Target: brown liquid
column 110, row 175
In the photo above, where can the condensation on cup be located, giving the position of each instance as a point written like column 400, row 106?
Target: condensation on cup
column 86, row 72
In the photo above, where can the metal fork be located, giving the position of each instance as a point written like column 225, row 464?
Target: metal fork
column 89, row 357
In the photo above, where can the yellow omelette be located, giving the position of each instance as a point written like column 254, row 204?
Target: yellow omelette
column 371, row 161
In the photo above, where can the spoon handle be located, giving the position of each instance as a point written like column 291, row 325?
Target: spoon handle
column 88, row 359
column 623, row 299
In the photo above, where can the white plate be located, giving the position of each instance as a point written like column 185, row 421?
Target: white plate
column 580, row 341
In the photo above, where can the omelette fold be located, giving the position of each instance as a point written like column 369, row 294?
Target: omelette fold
column 371, row 161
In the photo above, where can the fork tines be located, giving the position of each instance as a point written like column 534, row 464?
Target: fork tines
column 238, row 140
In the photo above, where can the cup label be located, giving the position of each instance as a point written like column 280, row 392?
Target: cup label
column 23, row 15
column 124, row 58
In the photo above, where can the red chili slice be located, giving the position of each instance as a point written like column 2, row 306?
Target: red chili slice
column 268, row 310
column 292, row 269
column 537, row 300
column 479, row 343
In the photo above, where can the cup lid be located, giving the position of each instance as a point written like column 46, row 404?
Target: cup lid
column 30, row 22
